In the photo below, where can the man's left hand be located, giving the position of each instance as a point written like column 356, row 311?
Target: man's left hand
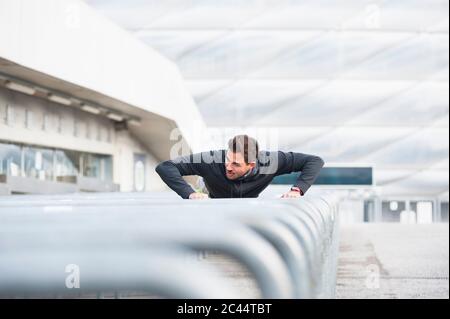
column 292, row 194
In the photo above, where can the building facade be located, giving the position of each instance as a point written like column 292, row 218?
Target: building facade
column 84, row 106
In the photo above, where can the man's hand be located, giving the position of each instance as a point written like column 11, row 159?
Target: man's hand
column 198, row 196
column 292, row 194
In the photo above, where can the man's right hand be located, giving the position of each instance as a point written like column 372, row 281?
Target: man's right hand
column 198, row 196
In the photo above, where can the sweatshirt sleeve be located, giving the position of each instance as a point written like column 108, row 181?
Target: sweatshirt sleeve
column 171, row 172
column 308, row 165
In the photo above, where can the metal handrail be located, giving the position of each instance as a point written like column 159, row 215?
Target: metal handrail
column 303, row 232
column 257, row 255
column 158, row 273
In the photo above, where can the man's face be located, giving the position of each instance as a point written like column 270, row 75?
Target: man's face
column 236, row 166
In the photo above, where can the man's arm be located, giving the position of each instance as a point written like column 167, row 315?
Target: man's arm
column 171, row 172
column 308, row 165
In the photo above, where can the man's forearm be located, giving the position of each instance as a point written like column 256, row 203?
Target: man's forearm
column 310, row 168
column 170, row 174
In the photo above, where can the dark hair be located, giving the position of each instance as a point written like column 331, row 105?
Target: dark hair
column 246, row 145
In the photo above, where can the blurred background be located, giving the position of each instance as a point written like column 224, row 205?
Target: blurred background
column 93, row 94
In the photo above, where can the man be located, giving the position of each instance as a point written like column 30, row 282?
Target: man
column 241, row 171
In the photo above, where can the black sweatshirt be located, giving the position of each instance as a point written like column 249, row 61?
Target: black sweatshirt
column 211, row 166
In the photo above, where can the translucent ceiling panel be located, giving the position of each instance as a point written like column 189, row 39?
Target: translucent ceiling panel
column 238, row 54
column 318, row 14
column 443, row 122
column 243, row 102
column 355, row 55
column 417, row 105
column 175, row 44
column 441, row 26
column 350, row 145
column 272, row 54
column 423, row 148
column 385, row 176
column 400, row 15
column 293, row 137
column 417, row 57
column 389, row 176
column 441, row 165
column 441, row 75
column 137, row 14
column 207, row 14
column 427, row 182
column 276, row 14
column 330, row 54
column 275, row 138
column 286, row 54
column 332, row 103
column 396, row 15
column 200, row 90
column 413, row 14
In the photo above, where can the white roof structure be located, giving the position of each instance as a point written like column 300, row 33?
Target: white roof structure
column 351, row 80
column 68, row 47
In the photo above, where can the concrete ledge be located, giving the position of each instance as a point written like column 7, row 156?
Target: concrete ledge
column 4, row 190
column 25, row 185
column 68, row 184
column 87, row 184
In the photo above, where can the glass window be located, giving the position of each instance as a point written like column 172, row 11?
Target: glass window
column 50, row 123
column 48, row 164
column 444, row 212
column 392, row 210
column 9, row 115
column 10, row 160
column 97, row 166
column 139, row 172
column 80, row 129
column 46, row 122
column 424, row 211
column 369, row 211
column 109, row 135
column 38, row 163
column 334, row 176
column 107, row 170
column 88, row 131
column 99, row 133
column 28, row 119
column 67, row 163
column 75, row 128
column 59, row 124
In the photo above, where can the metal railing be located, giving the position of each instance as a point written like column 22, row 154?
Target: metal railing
column 122, row 242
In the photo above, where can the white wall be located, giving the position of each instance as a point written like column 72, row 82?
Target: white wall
column 126, row 147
